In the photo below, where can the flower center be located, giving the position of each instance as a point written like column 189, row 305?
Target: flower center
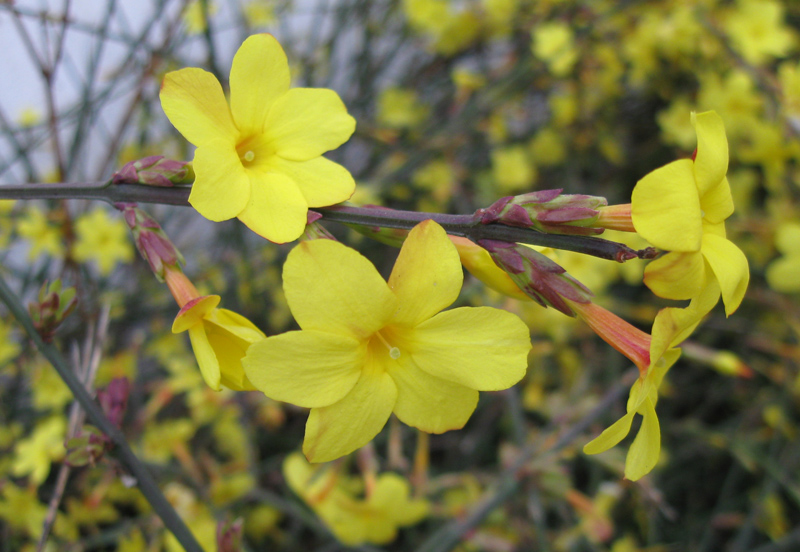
column 254, row 150
column 394, row 352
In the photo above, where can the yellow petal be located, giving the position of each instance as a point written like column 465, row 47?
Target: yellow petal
column 321, row 181
column 392, row 495
column 479, row 347
column 195, row 104
column 306, row 122
column 611, row 436
column 730, row 267
column 335, row 289
column 717, row 203
column 665, row 208
column 646, row 447
column 237, row 325
column 307, row 368
column 676, row 275
column 427, row 275
column 206, row 358
column 259, row 76
column 351, row 423
column 221, row 188
column 429, row 403
column 480, row 264
column 277, row 210
column 782, row 274
column 711, row 161
column 194, row 311
column 228, row 349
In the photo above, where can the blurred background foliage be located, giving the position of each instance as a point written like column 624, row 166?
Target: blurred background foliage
column 458, row 103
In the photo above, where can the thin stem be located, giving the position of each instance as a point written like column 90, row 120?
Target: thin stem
column 458, row 225
column 145, row 481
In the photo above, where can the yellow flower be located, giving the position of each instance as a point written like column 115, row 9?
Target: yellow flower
column 219, row 339
column 261, row 158
column 367, row 349
column 102, row 239
column 43, row 237
column 758, row 30
column 782, row 272
column 554, row 44
column 194, row 17
column 374, row 519
column 682, row 208
column 512, row 169
column 34, row 454
column 400, row 108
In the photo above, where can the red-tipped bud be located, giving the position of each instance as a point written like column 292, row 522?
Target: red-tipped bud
column 151, row 241
column 229, row 535
column 52, row 308
column 155, row 170
column 547, row 211
column 114, row 399
column 538, row 277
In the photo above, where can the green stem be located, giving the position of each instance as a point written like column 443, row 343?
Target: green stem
column 145, row 481
column 458, row 225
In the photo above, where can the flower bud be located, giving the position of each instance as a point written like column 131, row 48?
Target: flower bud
column 155, row 170
column 53, row 307
column 229, row 535
column 540, row 278
column 547, row 211
column 151, row 241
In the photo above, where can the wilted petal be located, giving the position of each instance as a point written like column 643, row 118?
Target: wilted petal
column 276, row 210
column 333, row 288
column 321, row 181
column 676, row 275
column 259, row 76
column 221, row 188
column 307, row 368
column 646, row 447
column 479, row 347
column 195, row 104
column 427, row 275
column 339, row 429
column 306, row 122
column 665, row 208
column 429, row 403
column 730, row 267
column 711, row 161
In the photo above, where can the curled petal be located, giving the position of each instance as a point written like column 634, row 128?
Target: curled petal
column 730, row 267
column 646, row 447
column 611, row 436
column 711, row 161
column 206, row 357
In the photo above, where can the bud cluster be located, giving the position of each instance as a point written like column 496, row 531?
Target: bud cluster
column 547, row 211
column 151, row 241
column 52, row 308
column 540, row 278
column 155, row 170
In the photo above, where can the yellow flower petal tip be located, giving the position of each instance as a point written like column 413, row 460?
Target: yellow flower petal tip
column 368, row 348
column 260, row 158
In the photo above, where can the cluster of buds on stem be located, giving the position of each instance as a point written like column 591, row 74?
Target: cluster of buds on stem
column 547, row 211
column 540, row 278
column 90, row 444
column 52, row 308
column 151, row 241
column 155, row 170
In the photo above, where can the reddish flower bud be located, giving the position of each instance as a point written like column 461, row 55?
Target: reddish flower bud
column 53, row 307
column 151, row 241
column 155, row 170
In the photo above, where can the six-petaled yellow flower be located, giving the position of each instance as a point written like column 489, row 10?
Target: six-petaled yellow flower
column 261, row 158
column 366, row 349
column 682, row 208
